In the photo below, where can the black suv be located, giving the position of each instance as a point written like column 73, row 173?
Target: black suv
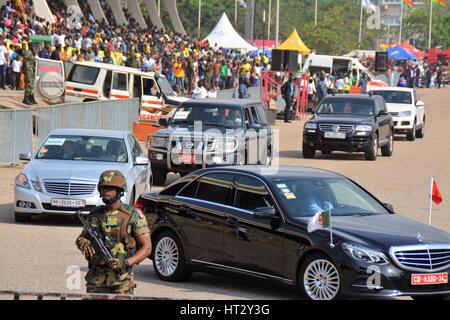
column 204, row 133
column 351, row 123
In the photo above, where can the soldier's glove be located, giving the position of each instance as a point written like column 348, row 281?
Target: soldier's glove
column 118, row 265
column 86, row 248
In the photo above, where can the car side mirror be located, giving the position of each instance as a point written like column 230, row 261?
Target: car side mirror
column 389, row 206
column 420, row 104
column 163, row 122
column 25, row 156
column 255, row 126
column 383, row 113
column 265, row 213
column 141, row 161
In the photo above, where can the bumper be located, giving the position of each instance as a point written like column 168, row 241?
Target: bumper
column 162, row 159
column 403, row 124
column 41, row 203
column 352, row 142
column 386, row 281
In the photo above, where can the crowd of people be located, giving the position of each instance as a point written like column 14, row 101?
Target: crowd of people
column 188, row 63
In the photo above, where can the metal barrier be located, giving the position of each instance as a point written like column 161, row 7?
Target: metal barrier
column 112, row 115
column 16, row 295
column 16, row 135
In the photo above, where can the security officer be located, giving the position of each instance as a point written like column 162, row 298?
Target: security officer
column 29, row 74
column 125, row 233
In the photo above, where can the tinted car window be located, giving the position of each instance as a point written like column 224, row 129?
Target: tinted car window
column 251, row 193
column 120, row 81
column 215, row 188
column 255, row 115
column 190, row 190
column 349, row 106
column 173, row 189
column 262, row 114
column 395, row 96
column 83, row 74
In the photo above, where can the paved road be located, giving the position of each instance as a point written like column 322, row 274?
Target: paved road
column 37, row 256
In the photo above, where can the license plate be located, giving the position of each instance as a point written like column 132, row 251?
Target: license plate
column 69, row 203
column 429, row 278
column 186, row 158
column 334, row 135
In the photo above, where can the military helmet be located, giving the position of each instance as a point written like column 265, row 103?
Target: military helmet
column 112, row 178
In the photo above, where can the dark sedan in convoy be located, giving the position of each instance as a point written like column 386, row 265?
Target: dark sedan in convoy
column 243, row 220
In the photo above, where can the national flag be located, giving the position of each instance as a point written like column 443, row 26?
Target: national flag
column 319, row 221
column 368, row 4
column 409, row 3
column 441, row 3
column 436, row 194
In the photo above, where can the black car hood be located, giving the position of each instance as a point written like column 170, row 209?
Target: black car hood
column 342, row 119
column 384, row 231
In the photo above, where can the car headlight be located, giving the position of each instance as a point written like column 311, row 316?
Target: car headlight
column 310, row 125
column 363, row 127
column 227, row 145
column 22, row 181
column 364, row 254
column 36, row 185
column 158, row 142
column 405, row 114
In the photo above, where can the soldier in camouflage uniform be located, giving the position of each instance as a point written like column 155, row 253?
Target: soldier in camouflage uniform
column 29, row 74
column 125, row 233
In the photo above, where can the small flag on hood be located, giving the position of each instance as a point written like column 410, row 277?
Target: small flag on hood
column 319, row 221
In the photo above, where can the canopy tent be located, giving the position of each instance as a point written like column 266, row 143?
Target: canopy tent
column 225, row 36
column 398, row 53
column 294, row 42
column 419, row 54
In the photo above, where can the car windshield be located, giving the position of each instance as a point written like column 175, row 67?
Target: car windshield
column 212, row 115
column 395, row 96
column 358, row 107
column 165, row 86
column 83, row 148
column 308, row 196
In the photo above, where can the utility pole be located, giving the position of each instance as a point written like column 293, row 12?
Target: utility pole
column 250, row 20
column 277, row 23
column 270, row 18
column 199, row 17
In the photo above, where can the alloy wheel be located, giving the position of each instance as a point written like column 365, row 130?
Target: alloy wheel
column 166, row 256
column 321, row 280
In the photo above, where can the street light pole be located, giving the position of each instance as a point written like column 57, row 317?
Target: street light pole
column 277, row 23
column 270, row 18
column 199, row 17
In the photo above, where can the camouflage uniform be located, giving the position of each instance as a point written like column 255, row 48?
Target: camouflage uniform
column 119, row 230
column 29, row 72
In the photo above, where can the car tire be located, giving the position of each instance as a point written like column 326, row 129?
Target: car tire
column 168, row 258
column 22, row 217
column 411, row 136
column 421, row 132
column 308, row 151
column 388, row 149
column 132, row 197
column 372, row 152
column 319, row 278
column 159, row 176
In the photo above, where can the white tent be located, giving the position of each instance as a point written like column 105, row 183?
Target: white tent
column 225, row 36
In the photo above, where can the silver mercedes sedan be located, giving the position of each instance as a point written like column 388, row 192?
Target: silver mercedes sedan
column 62, row 176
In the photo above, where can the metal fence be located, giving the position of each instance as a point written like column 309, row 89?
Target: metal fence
column 16, row 135
column 112, row 115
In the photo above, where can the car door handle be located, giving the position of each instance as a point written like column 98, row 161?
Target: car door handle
column 185, row 210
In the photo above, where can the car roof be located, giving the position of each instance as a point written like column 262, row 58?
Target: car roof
column 282, row 172
column 113, row 67
column 221, row 102
column 90, row 132
column 351, row 96
column 392, row 89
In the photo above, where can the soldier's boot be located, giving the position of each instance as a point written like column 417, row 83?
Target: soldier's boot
column 33, row 101
column 27, row 100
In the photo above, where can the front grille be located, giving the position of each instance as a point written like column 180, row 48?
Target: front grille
column 48, row 206
column 342, row 127
column 393, row 114
column 427, row 258
column 68, row 188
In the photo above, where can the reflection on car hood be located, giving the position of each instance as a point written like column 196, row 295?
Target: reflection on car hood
column 399, row 107
column 384, row 231
column 64, row 169
column 344, row 119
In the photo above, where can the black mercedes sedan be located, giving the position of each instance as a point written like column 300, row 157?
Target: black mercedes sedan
column 254, row 220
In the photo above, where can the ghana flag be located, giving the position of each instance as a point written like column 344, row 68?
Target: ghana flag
column 441, row 3
column 409, row 3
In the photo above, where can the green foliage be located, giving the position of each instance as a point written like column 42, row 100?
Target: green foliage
column 416, row 26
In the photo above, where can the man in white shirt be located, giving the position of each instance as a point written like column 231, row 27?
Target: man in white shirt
column 3, row 64
column 16, row 68
column 200, row 91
